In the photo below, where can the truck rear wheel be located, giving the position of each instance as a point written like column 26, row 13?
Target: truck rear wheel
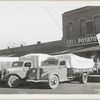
column 13, row 81
column 84, row 78
column 53, row 82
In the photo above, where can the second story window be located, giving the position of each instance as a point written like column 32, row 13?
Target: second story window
column 69, row 29
column 82, row 27
column 97, row 24
column 89, row 27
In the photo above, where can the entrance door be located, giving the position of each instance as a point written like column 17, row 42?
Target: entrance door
column 63, row 70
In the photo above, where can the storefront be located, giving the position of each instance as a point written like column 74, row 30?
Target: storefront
column 80, row 29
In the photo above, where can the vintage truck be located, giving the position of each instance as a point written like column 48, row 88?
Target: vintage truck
column 22, row 69
column 49, row 69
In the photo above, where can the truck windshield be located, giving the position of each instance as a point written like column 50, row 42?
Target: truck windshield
column 49, row 62
column 17, row 64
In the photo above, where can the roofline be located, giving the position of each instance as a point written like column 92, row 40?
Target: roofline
column 79, row 9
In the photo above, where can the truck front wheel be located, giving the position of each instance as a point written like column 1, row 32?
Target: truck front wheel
column 13, row 81
column 53, row 82
column 84, row 78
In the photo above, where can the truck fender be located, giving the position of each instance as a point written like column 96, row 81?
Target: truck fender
column 82, row 73
column 51, row 74
column 15, row 75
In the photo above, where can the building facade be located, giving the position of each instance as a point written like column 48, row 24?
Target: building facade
column 80, row 27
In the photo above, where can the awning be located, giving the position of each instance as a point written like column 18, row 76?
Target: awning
column 94, row 48
column 67, row 50
column 78, row 50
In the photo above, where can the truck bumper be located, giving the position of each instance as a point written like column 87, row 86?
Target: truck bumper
column 36, row 81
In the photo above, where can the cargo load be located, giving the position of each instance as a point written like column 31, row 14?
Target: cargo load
column 74, row 61
column 6, row 62
column 36, row 58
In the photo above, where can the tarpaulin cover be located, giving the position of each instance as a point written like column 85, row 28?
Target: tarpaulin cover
column 34, row 57
column 74, row 61
column 6, row 62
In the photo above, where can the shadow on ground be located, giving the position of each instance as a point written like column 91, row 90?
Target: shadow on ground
column 94, row 79
column 31, row 85
column 28, row 85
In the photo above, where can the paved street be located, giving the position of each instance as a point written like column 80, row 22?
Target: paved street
column 64, row 88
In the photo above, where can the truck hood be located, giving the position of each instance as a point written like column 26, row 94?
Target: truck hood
column 48, row 69
column 14, row 69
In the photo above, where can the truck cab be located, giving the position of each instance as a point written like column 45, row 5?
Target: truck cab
column 56, row 69
column 21, row 67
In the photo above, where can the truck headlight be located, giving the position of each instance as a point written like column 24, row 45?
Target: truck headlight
column 94, row 69
column 5, row 72
column 33, row 71
column 44, row 70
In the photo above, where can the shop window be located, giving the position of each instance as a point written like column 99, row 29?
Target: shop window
column 97, row 24
column 82, row 26
column 89, row 27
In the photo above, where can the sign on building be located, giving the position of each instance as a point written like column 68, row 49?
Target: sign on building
column 81, row 41
column 98, row 38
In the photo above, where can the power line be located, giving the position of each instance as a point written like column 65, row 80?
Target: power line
column 52, row 17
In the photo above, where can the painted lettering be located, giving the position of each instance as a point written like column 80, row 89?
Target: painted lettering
column 83, row 40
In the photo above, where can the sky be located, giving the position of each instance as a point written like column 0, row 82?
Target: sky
column 26, row 22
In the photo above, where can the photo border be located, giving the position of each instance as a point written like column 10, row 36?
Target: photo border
column 50, row 96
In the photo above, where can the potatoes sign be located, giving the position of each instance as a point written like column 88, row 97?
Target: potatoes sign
column 81, row 41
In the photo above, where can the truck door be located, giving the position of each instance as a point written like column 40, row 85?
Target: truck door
column 62, row 70
column 26, row 67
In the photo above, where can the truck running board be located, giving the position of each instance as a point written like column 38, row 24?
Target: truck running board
column 37, row 81
column 93, row 75
column 70, row 77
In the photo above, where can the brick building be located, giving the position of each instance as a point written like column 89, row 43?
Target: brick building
column 80, row 27
column 81, row 22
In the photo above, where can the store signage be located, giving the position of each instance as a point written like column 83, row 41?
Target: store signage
column 98, row 38
column 81, row 41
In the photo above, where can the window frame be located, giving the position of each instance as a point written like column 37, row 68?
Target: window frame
column 93, row 27
column 95, row 23
column 62, row 61
column 81, row 28
column 70, row 33
column 28, row 66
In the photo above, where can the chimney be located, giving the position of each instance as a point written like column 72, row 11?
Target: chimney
column 38, row 42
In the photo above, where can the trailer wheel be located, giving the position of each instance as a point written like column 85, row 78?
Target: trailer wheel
column 53, row 82
column 84, row 78
column 13, row 81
